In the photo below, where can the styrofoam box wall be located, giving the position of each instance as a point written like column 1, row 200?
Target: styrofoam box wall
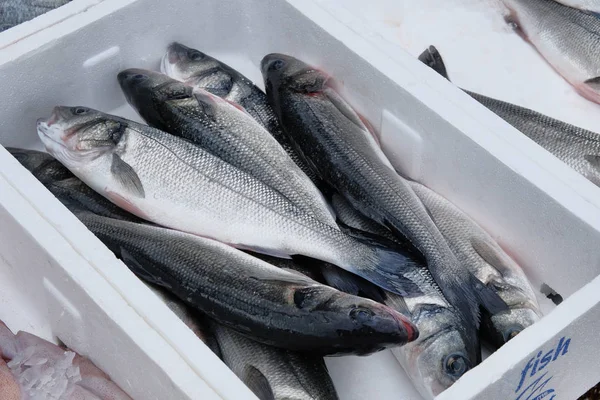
column 59, row 281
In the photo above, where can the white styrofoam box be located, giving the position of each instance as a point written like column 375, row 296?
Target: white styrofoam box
column 544, row 214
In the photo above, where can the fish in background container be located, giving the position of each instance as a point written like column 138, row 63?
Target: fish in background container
column 15, row 12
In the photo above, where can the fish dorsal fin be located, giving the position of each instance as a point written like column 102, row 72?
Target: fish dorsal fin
column 258, row 383
column 127, row 176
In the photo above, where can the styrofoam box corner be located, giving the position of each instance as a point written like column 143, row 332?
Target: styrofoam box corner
column 70, row 287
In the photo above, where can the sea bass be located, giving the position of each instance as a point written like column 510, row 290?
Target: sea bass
column 576, row 147
column 566, row 37
column 349, row 159
column 274, row 306
column 480, row 253
column 202, row 71
column 224, row 130
column 272, row 373
column 175, row 183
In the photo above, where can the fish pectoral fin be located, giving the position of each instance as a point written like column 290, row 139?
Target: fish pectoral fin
column 258, row 383
column 263, row 250
column 127, row 176
column 292, row 277
column 347, row 282
column 433, row 59
column 344, row 108
column 594, row 163
column 137, row 268
column 593, row 82
column 492, row 255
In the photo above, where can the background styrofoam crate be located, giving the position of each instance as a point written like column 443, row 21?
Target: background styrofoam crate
column 546, row 215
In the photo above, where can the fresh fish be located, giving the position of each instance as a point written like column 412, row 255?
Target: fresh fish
column 225, row 131
column 576, row 147
column 269, row 304
column 201, row 71
column 480, row 253
column 586, row 5
column 42, row 370
column 177, row 184
column 566, row 37
column 15, row 12
column 349, row 159
column 272, row 373
column 445, row 349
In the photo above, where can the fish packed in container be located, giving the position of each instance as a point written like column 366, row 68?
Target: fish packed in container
column 275, row 227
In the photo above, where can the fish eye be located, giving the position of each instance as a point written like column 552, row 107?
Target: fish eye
column 456, row 365
column 510, row 333
column 277, row 65
column 80, row 110
column 195, row 55
column 139, row 77
column 361, row 314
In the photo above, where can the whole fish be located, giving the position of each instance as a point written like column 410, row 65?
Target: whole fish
column 349, row 159
column 177, row 184
column 15, row 12
column 586, row 5
column 479, row 252
column 269, row 304
column 202, row 71
column 566, row 37
column 272, row 373
column 576, row 147
column 224, row 130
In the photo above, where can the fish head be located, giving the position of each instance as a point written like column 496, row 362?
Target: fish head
column 78, row 135
column 184, row 63
column 280, row 70
column 523, row 311
column 441, row 355
column 149, row 91
column 366, row 325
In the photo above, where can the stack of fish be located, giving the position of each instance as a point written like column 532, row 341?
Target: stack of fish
column 277, row 216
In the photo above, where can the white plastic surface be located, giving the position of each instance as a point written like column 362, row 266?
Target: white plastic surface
column 542, row 212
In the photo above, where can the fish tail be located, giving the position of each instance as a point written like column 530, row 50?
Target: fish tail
column 390, row 269
column 433, row 59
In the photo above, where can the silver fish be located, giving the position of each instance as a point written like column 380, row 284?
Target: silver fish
column 202, row 71
column 576, row 147
column 224, row 130
column 15, row 12
column 275, row 374
column 177, row 184
column 350, row 160
column 566, row 37
column 269, row 304
column 479, row 252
